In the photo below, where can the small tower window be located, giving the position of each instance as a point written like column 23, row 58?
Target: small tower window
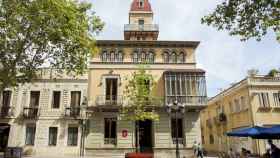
column 141, row 22
column 141, row 3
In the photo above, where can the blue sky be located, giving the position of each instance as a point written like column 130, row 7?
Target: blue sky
column 225, row 58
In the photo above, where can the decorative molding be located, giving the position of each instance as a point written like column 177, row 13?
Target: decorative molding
column 129, row 43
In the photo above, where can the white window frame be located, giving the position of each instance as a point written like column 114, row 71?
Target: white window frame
column 276, row 98
column 264, row 100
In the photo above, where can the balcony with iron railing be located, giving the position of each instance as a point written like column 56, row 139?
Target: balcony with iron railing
column 73, row 112
column 149, row 101
column 104, row 100
column 109, row 100
column 112, row 141
column 31, row 112
column 145, row 27
column 6, row 112
column 187, row 100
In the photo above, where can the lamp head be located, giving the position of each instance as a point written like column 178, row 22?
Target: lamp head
column 169, row 108
column 182, row 108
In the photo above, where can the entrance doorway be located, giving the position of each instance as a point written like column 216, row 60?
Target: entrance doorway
column 145, row 136
column 4, row 136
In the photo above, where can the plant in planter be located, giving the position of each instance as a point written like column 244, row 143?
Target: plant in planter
column 222, row 117
column 140, row 100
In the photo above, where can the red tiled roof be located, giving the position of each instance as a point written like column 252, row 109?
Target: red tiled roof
column 146, row 7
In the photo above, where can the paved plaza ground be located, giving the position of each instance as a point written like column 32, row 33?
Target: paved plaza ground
column 1, row 156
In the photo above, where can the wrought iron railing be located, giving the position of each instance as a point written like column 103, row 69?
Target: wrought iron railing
column 187, row 100
column 264, row 79
column 30, row 112
column 148, row 101
column 112, row 141
column 6, row 112
column 102, row 100
column 72, row 111
column 145, row 27
column 180, row 140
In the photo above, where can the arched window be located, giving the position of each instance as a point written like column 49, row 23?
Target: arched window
column 173, row 58
column 120, row 56
column 181, row 57
column 108, row 57
column 151, row 57
column 112, row 56
column 143, row 56
column 135, row 57
column 166, row 57
column 104, row 56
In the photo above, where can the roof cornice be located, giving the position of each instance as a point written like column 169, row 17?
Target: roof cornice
column 129, row 43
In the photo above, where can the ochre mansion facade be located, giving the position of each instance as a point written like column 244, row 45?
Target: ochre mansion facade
column 62, row 114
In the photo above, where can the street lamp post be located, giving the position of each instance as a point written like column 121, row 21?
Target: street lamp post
column 177, row 108
column 83, row 120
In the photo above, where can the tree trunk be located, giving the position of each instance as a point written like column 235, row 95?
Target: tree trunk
column 137, row 136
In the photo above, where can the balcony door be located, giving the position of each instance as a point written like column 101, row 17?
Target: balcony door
column 75, row 99
column 34, row 104
column 34, row 99
column 145, row 136
column 111, row 90
column 75, row 103
column 4, row 136
column 6, row 103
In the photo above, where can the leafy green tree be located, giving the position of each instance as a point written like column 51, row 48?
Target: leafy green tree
column 273, row 73
column 35, row 33
column 246, row 18
column 140, row 99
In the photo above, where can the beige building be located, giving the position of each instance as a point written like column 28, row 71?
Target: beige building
column 43, row 117
column 60, row 114
column 173, row 66
column 253, row 101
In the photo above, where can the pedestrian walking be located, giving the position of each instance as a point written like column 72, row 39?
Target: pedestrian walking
column 231, row 153
column 199, row 151
column 194, row 148
column 274, row 150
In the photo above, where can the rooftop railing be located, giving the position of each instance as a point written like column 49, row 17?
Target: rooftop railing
column 145, row 27
column 264, row 79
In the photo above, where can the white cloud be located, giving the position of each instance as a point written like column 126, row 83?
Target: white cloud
column 225, row 58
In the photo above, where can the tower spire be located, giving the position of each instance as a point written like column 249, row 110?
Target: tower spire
column 141, row 25
column 141, row 5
